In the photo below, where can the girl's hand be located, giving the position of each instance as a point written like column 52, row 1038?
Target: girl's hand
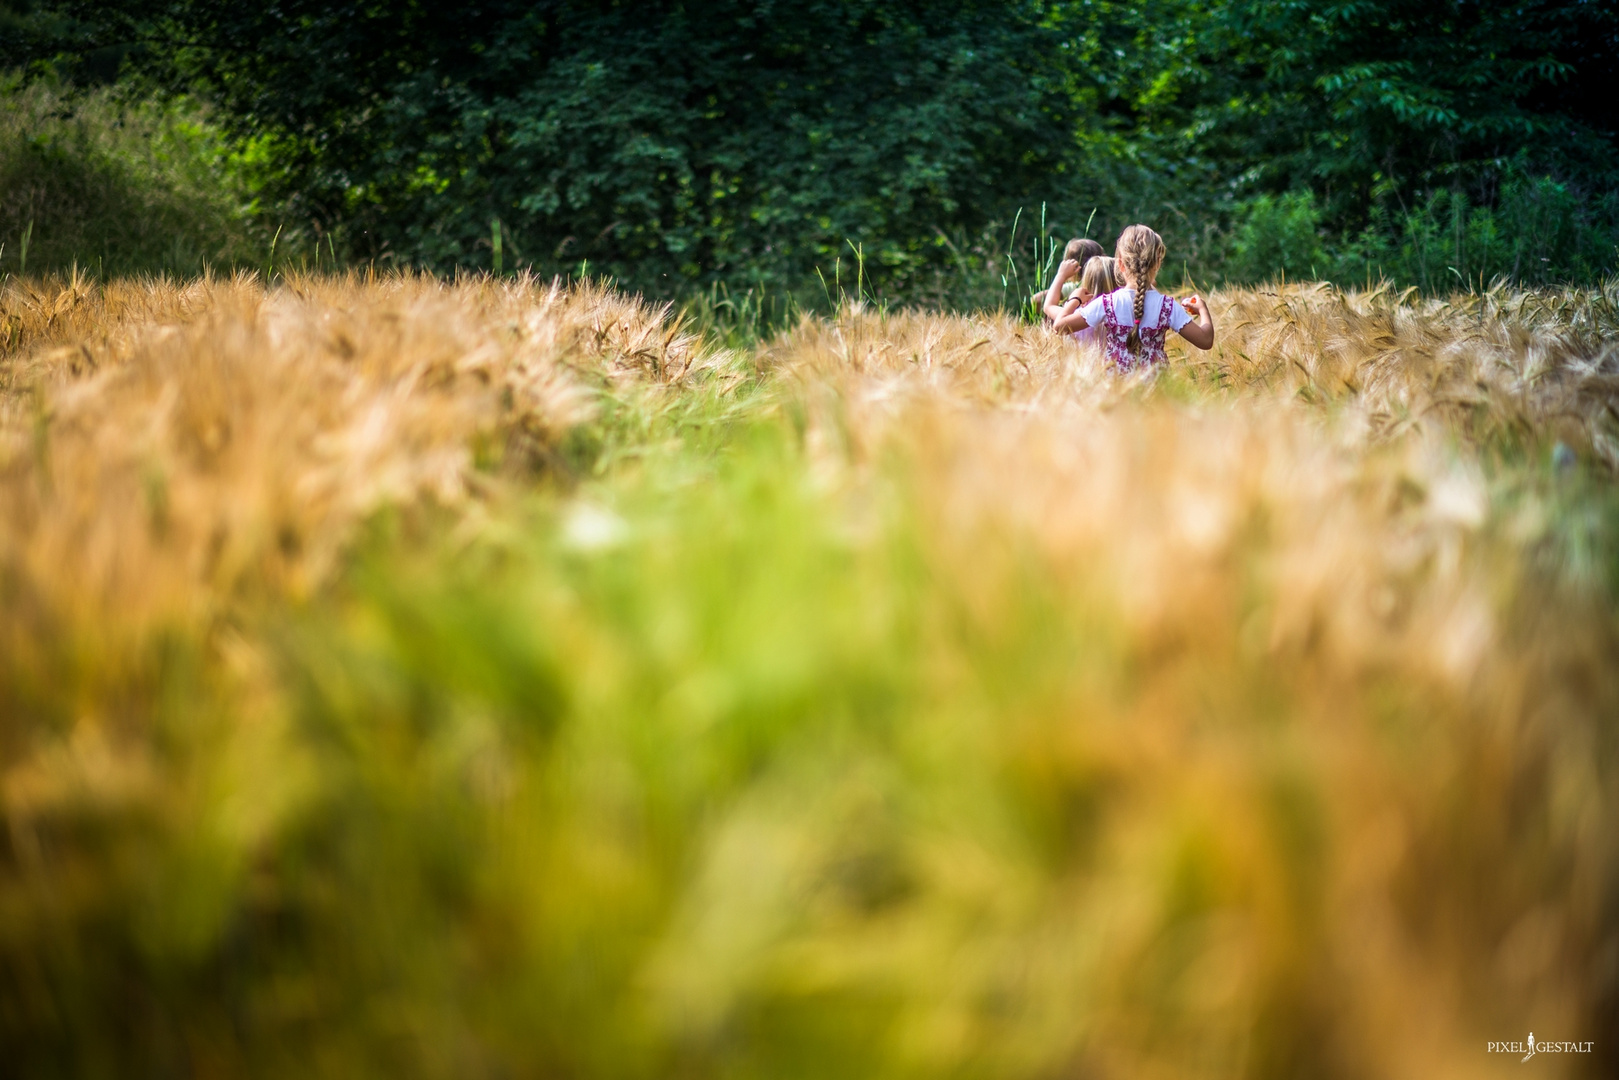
column 1201, row 332
column 1074, row 302
column 1068, row 269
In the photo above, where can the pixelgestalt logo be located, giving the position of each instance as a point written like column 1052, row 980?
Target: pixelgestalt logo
column 1529, row 1048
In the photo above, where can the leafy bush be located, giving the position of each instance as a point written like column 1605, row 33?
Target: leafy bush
column 1277, row 236
column 1538, row 231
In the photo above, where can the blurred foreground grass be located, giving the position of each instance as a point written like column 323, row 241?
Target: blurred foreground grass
column 493, row 679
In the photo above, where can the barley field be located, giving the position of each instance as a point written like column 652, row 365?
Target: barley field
column 406, row 677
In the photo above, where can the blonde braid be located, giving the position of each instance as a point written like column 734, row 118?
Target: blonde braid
column 1139, row 254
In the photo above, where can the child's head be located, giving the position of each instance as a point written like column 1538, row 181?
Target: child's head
column 1099, row 277
column 1082, row 251
column 1139, row 254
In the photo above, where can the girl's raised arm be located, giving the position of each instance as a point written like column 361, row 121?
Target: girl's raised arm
column 1053, row 304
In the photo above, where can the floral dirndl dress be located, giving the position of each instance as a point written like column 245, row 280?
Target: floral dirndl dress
column 1116, row 335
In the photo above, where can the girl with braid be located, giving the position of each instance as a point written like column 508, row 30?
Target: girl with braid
column 1135, row 321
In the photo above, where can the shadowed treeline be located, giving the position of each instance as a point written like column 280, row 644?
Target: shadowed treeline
column 754, row 145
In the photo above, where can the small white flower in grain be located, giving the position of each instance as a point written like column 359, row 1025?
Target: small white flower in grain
column 1458, row 499
column 593, row 528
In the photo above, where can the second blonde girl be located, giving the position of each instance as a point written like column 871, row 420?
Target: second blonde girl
column 1098, row 279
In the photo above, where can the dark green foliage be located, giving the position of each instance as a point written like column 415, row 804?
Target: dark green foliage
column 1277, row 237
column 1369, row 101
column 666, row 144
column 1538, row 230
column 62, row 40
column 753, row 143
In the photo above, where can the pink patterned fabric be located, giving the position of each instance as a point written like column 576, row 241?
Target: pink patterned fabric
column 1115, row 336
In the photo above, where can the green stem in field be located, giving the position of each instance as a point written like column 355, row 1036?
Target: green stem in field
column 269, row 264
column 1011, row 245
column 27, row 234
column 860, row 269
column 494, row 242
